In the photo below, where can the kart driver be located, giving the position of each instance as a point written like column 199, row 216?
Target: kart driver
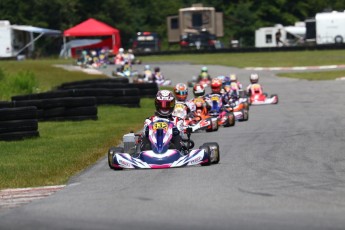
column 234, row 82
column 216, row 87
column 254, row 79
column 165, row 104
column 204, row 75
column 181, row 94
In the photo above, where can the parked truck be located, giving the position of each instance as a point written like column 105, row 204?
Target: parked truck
column 19, row 40
column 196, row 26
column 326, row 28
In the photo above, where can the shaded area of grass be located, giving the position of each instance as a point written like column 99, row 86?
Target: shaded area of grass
column 65, row 148
column 313, row 76
column 46, row 75
column 260, row 59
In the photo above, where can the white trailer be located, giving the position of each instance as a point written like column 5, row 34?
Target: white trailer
column 18, row 40
column 289, row 35
column 330, row 27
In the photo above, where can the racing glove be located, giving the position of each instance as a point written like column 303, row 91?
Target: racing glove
column 175, row 131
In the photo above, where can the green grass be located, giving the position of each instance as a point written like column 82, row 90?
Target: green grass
column 65, row 148
column 266, row 59
column 46, row 75
column 314, row 76
column 260, row 59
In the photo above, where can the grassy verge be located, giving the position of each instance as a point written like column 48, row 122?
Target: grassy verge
column 312, row 76
column 45, row 74
column 264, row 59
column 65, row 148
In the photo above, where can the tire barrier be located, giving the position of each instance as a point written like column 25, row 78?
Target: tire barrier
column 62, row 108
column 71, row 85
column 5, row 104
column 18, row 123
column 98, row 93
column 145, row 89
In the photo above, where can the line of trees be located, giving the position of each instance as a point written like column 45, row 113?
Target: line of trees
column 241, row 17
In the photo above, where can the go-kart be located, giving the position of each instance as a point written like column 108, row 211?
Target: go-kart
column 124, row 73
column 205, row 82
column 239, row 109
column 257, row 97
column 162, row 153
column 225, row 117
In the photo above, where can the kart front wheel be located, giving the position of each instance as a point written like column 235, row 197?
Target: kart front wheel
column 275, row 95
column 214, row 151
column 111, row 152
column 208, row 153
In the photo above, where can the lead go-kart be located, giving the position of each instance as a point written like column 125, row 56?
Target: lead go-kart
column 161, row 155
column 257, row 97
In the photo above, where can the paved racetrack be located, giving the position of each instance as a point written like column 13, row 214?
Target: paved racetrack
column 283, row 169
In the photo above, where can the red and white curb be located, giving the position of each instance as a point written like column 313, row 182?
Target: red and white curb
column 10, row 198
column 295, row 68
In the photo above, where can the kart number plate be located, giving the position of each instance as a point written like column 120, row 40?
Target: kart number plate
column 214, row 98
column 160, row 125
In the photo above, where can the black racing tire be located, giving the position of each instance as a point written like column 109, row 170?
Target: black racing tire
column 105, row 92
column 214, row 146
column 81, row 111
column 54, row 112
column 18, row 126
column 207, row 151
column 246, row 105
column 111, row 152
column 227, row 122
column 58, row 102
column 18, row 135
column 232, row 119
column 275, row 95
column 6, row 104
column 94, row 81
column 245, row 115
column 129, row 100
column 148, row 92
column 50, row 94
column 106, row 85
column 70, row 118
column 146, row 85
column 18, row 113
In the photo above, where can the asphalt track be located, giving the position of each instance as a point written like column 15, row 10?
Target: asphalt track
column 283, row 169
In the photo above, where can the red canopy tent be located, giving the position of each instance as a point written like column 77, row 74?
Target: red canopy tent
column 93, row 28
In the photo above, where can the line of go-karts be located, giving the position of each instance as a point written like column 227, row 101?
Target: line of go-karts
column 226, row 103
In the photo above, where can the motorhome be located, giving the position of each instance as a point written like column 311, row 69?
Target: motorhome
column 19, row 40
column 326, row 28
column 288, row 35
column 194, row 22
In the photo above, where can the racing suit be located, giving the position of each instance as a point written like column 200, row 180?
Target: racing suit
column 249, row 88
column 176, row 140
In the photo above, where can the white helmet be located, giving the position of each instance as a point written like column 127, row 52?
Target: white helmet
column 254, row 78
column 233, row 78
column 121, row 50
column 147, row 67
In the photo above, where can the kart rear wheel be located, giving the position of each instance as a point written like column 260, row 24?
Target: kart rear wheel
column 246, row 105
column 232, row 119
column 111, row 152
column 245, row 115
column 208, row 153
column 214, row 151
